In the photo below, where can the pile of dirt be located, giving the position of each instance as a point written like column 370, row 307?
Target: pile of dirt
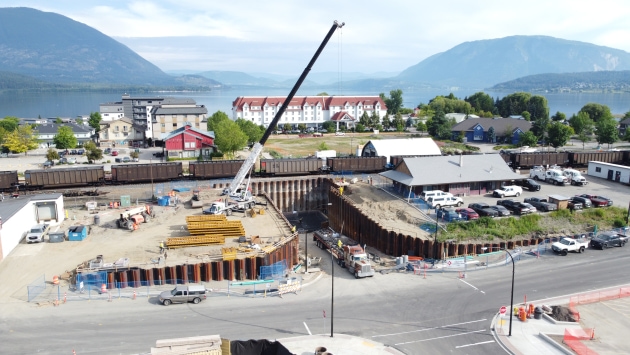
column 562, row 314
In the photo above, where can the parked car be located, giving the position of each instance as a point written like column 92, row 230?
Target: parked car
column 158, row 154
column 339, row 133
column 63, row 160
column 574, row 205
column 114, row 153
column 531, row 208
column 586, row 203
column 596, row 200
column 441, row 201
column 434, row 193
column 467, row 213
column 610, row 202
column 135, row 160
column 608, row 239
column 508, row 191
column 118, row 160
column 80, row 152
column 183, row 294
column 74, row 152
column 484, row 210
column 541, row 204
column 448, row 215
column 502, row 210
column 126, row 160
column 529, row 184
column 107, row 150
column 37, row 233
column 516, row 207
column 72, row 160
column 48, row 163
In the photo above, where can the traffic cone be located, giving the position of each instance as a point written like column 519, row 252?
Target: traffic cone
column 134, row 294
column 73, row 352
column 64, row 297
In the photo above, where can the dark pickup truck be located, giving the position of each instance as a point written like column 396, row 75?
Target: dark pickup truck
column 515, row 206
column 529, row 184
column 541, row 204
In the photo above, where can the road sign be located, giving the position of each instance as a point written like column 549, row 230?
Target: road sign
column 503, row 310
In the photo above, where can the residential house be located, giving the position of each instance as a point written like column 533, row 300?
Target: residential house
column 46, row 132
column 189, row 142
column 623, row 126
column 311, row 111
column 506, row 130
column 120, row 133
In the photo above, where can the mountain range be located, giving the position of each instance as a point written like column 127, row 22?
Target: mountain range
column 46, row 49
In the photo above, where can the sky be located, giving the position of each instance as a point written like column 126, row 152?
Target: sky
column 281, row 36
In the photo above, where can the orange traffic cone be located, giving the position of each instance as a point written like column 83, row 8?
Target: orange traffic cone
column 134, row 294
column 55, row 280
column 103, row 288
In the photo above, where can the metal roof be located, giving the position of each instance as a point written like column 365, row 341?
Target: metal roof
column 406, row 146
column 52, row 128
column 11, row 206
column 452, row 170
column 180, row 110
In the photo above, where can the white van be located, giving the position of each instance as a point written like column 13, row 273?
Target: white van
column 434, row 193
column 443, row 201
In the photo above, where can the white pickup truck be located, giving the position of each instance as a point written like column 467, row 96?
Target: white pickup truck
column 566, row 245
column 508, row 191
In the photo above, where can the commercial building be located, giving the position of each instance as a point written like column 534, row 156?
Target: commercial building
column 311, row 111
column 608, row 171
column 461, row 175
column 18, row 215
column 189, row 142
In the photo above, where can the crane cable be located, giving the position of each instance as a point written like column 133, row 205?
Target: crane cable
column 340, row 61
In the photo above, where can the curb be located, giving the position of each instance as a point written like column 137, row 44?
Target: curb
column 555, row 344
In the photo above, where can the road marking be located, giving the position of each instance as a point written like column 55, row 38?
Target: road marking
column 467, row 345
column 308, row 330
column 446, row 336
column 471, row 286
column 422, row 330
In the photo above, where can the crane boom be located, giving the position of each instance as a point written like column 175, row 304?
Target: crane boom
column 256, row 150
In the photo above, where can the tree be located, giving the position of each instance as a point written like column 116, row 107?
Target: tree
column 540, row 127
column 253, row 132
column 626, row 137
column 364, row 119
column 528, row 138
column 229, row 137
column 421, row 127
column 559, row 117
column 439, row 127
column 386, row 122
column 398, row 122
column 9, row 123
column 92, row 152
column 607, row 131
column 79, row 121
column 323, row 93
column 322, row 146
column 95, row 121
column 559, row 134
column 51, row 154
column 286, row 127
column 597, row 112
column 329, row 126
column 302, row 127
column 21, row 140
column 360, row 128
column 215, row 119
column 582, row 137
column 65, row 139
column 134, row 154
column 526, row 115
column 58, row 120
column 581, row 123
column 409, row 122
column 492, row 135
column 394, row 101
column 480, row 102
column 375, row 120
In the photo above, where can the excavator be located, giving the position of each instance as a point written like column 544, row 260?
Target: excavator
column 239, row 191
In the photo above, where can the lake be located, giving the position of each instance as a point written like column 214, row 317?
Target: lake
column 72, row 104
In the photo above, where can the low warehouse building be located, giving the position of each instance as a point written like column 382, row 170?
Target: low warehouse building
column 18, row 215
column 407, row 147
column 612, row 172
column 459, row 175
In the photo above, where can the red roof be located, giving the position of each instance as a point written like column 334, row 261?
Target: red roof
column 342, row 116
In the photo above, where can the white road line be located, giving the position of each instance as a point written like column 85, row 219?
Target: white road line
column 308, row 330
column 446, row 336
column 422, row 330
column 467, row 345
column 471, row 285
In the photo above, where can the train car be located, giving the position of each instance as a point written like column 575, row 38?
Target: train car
column 8, row 180
column 582, row 158
column 66, row 177
column 279, row 167
column 529, row 160
column 357, row 164
column 122, row 174
column 214, row 169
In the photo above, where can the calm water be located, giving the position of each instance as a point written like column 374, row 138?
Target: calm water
column 82, row 103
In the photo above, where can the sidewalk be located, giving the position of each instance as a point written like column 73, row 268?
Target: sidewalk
column 339, row 344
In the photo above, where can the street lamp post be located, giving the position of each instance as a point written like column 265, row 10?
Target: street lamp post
column 512, row 290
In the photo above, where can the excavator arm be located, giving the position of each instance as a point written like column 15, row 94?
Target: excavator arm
column 256, row 150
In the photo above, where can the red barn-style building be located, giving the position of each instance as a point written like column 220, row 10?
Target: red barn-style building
column 189, row 142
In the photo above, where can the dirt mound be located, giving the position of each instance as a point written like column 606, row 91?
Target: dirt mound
column 562, row 314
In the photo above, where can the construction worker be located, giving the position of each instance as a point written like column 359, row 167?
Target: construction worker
column 161, row 247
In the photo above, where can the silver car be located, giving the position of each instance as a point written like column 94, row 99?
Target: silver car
column 183, row 294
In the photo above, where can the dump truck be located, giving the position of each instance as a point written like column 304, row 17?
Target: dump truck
column 135, row 216
column 348, row 253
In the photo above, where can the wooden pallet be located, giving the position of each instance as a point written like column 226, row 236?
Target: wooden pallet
column 193, row 241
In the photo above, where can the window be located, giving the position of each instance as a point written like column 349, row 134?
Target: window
column 197, row 124
column 116, row 129
column 174, row 125
column 598, row 170
column 162, row 125
column 125, row 129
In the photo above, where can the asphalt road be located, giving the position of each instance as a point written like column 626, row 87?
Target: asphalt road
column 438, row 314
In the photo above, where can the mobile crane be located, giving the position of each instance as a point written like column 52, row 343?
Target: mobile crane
column 239, row 191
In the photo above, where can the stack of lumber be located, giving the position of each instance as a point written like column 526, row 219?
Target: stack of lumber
column 194, row 241
column 225, row 228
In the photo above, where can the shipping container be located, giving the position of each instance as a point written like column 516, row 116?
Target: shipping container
column 214, row 169
column 122, row 174
column 357, row 164
column 8, row 180
column 75, row 177
column 274, row 167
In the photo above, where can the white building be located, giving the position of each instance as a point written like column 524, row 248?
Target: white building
column 309, row 110
column 612, row 172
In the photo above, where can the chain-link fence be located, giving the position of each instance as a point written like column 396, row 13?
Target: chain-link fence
column 35, row 288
